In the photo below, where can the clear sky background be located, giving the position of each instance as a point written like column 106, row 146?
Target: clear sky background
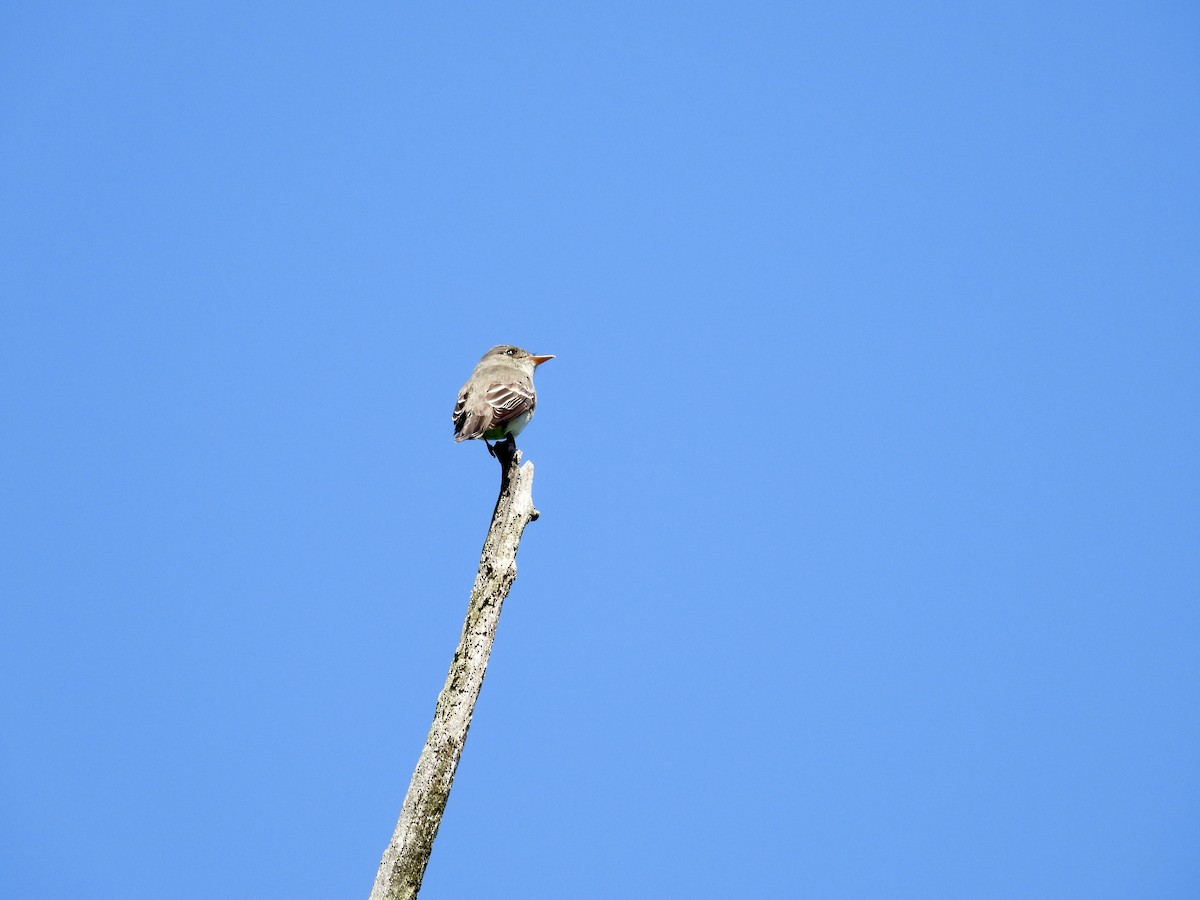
column 869, row 466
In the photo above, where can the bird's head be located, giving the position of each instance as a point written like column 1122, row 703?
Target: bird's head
column 516, row 354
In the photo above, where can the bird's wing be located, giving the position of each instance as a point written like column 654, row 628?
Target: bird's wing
column 468, row 424
column 473, row 416
column 510, row 400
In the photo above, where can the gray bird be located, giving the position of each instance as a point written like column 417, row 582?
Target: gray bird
column 498, row 399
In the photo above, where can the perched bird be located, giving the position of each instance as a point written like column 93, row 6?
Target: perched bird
column 498, row 399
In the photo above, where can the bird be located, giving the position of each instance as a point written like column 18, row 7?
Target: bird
column 498, row 399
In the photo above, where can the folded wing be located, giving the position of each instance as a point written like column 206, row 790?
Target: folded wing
column 475, row 415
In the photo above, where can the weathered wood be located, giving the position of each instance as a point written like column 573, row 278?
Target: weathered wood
column 404, row 861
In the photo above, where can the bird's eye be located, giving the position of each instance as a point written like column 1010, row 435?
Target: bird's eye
column 511, row 351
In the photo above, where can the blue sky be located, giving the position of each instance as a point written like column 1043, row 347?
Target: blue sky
column 869, row 466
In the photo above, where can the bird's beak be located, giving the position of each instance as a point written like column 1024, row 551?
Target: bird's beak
column 538, row 360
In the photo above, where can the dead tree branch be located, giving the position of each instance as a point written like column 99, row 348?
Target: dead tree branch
column 404, row 861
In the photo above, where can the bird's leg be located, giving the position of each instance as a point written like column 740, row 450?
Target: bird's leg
column 506, row 453
column 491, row 449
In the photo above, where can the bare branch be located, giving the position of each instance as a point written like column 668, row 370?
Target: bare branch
column 404, row 861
